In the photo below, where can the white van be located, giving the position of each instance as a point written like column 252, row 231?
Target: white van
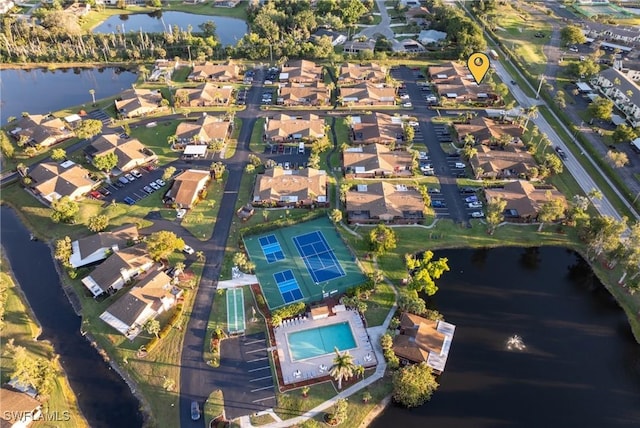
column 301, row 148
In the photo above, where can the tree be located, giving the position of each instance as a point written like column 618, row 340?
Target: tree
column 41, row 373
column 551, row 210
column 618, row 159
column 218, row 169
column 200, row 256
column 168, row 172
column 366, row 397
column 603, row 235
column 63, row 251
column 250, row 168
column 161, row 244
column 382, row 239
column 601, row 108
column 495, row 214
column 409, row 133
column 58, row 154
column 413, row 385
column 502, row 90
column 386, row 341
column 64, row 210
column 624, row 134
column 554, row 163
column 335, row 216
column 572, row 35
column 424, row 270
column 152, row 327
column 88, row 128
column 98, row 223
column 5, row 145
column 106, row 162
column 339, row 413
column 560, row 99
column 343, row 367
column 409, row 301
column 208, row 28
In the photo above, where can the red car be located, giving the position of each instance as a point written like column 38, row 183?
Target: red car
column 96, row 194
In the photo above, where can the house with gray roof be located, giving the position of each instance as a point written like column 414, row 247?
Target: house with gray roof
column 624, row 93
column 97, row 247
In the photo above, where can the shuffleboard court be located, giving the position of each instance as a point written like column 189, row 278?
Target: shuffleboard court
column 235, row 311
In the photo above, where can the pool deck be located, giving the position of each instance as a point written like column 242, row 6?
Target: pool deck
column 318, row 367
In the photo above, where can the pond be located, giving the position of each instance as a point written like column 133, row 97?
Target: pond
column 40, row 91
column 228, row 30
column 580, row 365
column 104, row 398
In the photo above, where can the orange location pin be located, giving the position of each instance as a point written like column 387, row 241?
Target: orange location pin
column 478, row 64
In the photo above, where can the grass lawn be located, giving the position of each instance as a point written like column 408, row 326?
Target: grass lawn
column 156, row 139
column 20, row 325
column 342, row 131
column 379, row 304
column 201, row 219
column 261, row 420
column 206, row 8
column 214, row 406
column 292, row 403
column 257, row 144
column 232, row 141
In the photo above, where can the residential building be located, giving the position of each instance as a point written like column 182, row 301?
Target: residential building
column 99, row 246
column 384, row 202
column 148, row 298
column 423, row 341
column 487, row 131
column 139, row 102
column 629, row 67
column 356, row 73
column 117, row 270
column 417, row 15
column 622, row 91
column 228, row 72
column 376, row 128
column 368, row 94
column 283, row 128
column 206, row 129
column 131, row 152
column 51, row 181
column 610, row 32
column 512, row 161
column 407, row 45
column 18, row 409
column 186, row 188
column 376, row 160
column 6, row 6
column 205, row 95
column 301, row 71
column 357, row 46
column 336, row 38
column 282, row 187
column 316, row 94
column 523, row 199
column 41, row 130
column 427, row 37
column 454, row 82
column 78, row 9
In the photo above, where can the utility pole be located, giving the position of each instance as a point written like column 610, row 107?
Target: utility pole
column 540, row 86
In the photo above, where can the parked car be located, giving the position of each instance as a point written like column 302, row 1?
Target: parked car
column 460, row 165
column 438, row 204
column 123, row 180
column 464, row 190
column 148, row 189
column 423, row 156
column 187, row 249
column 160, row 182
column 287, row 165
column 136, row 173
column 130, row 177
column 476, row 214
column 475, row 205
column 473, row 198
column 195, row 410
column 181, row 213
column 96, row 194
column 154, row 185
column 407, row 104
column 104, row 191
column 118, row 184
column 434, row 190
column 129, row 201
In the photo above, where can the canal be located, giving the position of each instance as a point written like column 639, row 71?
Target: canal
column 104, row 398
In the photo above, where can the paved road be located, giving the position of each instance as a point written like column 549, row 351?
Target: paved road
column 197, row 379
column 383, row 28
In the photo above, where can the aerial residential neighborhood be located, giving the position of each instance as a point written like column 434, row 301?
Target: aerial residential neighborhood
column 336, row 212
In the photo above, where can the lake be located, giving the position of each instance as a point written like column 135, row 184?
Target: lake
column 228, row 30
column 40, row 91
column 104, row 398
column 581, row 364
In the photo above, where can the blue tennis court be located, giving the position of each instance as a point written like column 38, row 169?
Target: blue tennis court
column 318, row 257
column 288, row 286
column 271, row 248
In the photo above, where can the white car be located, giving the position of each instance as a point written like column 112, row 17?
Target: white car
column 477, row 214
column 460, row 165
column 475, row 205
column 423, row 156
column 181, row 213
column 136, row 173
column 187, row 249
column 407, row 104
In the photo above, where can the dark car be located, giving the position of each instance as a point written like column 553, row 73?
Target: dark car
column 129, row 201
column 438, row 204
column 195, row 410
column 561, row 153
column 467, row 190
column 104, row 191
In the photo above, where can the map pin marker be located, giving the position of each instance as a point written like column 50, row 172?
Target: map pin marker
column 478, row 64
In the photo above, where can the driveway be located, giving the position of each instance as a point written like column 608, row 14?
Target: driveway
column 383, row 28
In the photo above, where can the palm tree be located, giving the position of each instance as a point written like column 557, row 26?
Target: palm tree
column 93, row 95
column 343, row 367
column 531, row 113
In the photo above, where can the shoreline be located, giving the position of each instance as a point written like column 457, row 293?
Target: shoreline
column 375, row 412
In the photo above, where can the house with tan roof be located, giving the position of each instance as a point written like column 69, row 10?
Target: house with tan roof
column 186, row 188
column 316, row 94
column 512, row 161
column 131, row 152
column 148, row 298
column 206, row 129
column 384, row 202
column 368, row 94
column 351, row 73
column 523, row 199
column 139, row 102
column 40, row 130
column 376, row 160
column 117, row 270
column 300, row 188
column 205, row 95
column 423, row 341
column 454, row 82
column 376, row 128
column 489, row 132
column 97, row 247
column 418, row 15
column 51, row 180
column 301, row 71
column 228, row 72
column 19, row 409
column 283, row 128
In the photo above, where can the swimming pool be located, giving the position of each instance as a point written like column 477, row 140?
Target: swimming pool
column 318, row 341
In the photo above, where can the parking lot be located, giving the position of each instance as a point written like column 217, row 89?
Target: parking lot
column 135, row 190
column 283, row 154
